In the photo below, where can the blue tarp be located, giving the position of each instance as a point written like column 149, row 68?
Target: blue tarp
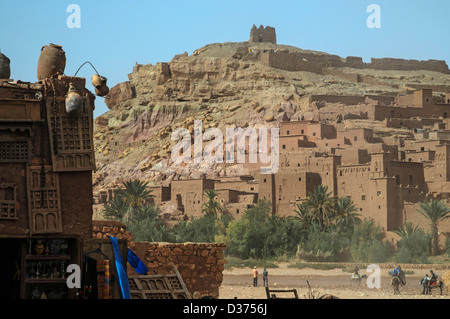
column 121, row 270
column 136, row 263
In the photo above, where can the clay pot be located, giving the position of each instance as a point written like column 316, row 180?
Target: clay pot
column 5, row 70
column 74, row 102
column 102, row 90
column 99, row 82
column 96, row 80
column 52, row 61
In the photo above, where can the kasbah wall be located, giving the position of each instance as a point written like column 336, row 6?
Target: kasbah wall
column 199, row 264
column 311, row 62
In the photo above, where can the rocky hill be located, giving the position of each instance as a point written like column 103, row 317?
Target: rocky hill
column 230, row 85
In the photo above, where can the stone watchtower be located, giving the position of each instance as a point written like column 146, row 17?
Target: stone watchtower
column 263, row 34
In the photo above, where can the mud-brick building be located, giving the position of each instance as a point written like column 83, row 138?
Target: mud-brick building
column 46, row 163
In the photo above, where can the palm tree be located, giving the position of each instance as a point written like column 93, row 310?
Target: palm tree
column 345, row 212
column 320, row 205
column 135, row 193
column 212, row 206
column 302, row 215
column 405, row 231
column 435, row 211
column 116, row 208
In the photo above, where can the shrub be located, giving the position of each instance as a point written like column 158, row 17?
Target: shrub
column 324, row 245
column 366, row 243
column 414, row 249
column 201, row 229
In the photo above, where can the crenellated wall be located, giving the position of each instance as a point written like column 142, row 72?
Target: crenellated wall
column 312, row 62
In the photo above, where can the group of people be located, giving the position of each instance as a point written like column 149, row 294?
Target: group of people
column 427, row 281
column 265, row 277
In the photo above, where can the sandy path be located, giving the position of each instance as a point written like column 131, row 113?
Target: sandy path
column 237, row 283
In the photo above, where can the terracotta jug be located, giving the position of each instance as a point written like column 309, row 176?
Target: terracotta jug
column 51, row 61
column 99, row 82
column 102, row 90
column 5, row 70
column 96, row 80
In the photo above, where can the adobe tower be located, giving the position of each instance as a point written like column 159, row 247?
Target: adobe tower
column 263, row 34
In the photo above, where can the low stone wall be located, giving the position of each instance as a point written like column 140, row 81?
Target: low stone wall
column 105, row 228
column 199, row 264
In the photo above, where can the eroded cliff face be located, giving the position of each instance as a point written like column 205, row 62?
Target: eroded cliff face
column 224, row 85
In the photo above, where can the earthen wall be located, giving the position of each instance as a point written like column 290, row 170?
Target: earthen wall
column 200, row 265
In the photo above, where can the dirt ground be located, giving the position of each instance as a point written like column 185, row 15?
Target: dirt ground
column 238, row 283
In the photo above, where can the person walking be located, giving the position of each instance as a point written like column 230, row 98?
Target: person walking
column 265, row 279
column 255, row 277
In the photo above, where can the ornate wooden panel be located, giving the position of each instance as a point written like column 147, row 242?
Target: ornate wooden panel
column 8, row 200
column 44, row 211
column 17, row 152
column 169, row 286
column 15, row 143
column 71, row 137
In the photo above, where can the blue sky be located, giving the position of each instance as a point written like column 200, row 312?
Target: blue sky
column 114, row 35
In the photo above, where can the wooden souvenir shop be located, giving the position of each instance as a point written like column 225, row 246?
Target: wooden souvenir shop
column 46, row 164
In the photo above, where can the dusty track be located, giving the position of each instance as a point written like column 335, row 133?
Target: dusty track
column 238, row 283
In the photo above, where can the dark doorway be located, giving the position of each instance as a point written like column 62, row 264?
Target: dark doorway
column 10, row 268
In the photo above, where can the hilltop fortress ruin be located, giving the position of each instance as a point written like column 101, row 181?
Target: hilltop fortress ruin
column 313, row 62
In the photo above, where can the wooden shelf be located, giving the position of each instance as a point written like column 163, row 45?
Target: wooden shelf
column 46, row 257
column 45, row 280
column 46, row 284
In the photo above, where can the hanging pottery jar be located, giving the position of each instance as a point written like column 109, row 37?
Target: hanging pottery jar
column 96, row 80
column 99, row 82
column 102, row 90
column 52, row 61
column 5, row 70
column 74, row 102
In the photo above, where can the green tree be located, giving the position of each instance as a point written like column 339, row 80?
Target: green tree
column 435, row 211
column 414, row 248
column 246, row 236
column 320, row 205
column 302, row 215
column 200, row 229
column 135, row 193
column 130, row 206
column 345, row 212
column 115, row 208
column 405, row 231
column 148, row 227
column 367, row 245
column 212, row 206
